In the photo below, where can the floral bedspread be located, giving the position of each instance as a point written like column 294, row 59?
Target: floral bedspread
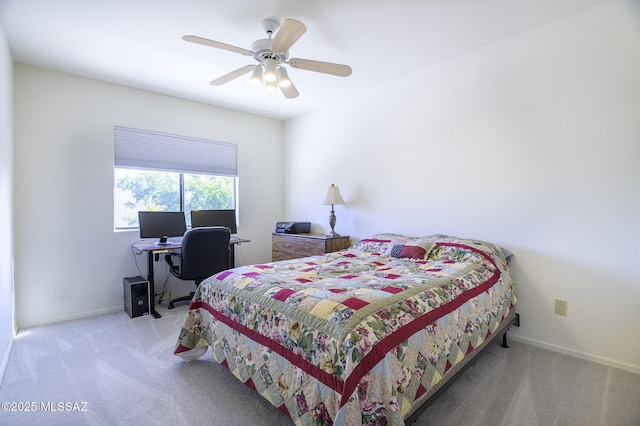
column 356, row 336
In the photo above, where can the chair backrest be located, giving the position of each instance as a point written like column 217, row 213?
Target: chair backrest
column 205, row 251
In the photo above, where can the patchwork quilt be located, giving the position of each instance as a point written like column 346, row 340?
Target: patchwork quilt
column 356, row 336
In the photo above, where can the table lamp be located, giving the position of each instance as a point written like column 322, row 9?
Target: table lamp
column 333, row 198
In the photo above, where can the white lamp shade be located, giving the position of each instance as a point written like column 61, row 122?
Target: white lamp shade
column 283, row 78
column 270, row 70
column 256, row 77
column 272, row 88
column 333, row 196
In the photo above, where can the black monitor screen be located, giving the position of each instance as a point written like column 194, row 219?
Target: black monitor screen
column 226, row 218
column 162, row 225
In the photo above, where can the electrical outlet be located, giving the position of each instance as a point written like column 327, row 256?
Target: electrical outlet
column 561, row 307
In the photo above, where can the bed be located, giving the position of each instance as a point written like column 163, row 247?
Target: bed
column 366, row 335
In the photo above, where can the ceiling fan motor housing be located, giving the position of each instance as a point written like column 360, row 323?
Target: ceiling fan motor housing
column 262, row 49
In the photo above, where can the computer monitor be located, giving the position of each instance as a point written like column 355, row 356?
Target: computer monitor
column 162, row 225
column 226, row 218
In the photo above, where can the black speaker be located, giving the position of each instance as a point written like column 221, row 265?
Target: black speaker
column 136, row 296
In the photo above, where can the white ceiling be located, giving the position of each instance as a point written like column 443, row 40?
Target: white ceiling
column 138, row 42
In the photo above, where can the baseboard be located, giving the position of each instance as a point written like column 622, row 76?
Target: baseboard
column 72, row 317
column 5, row 361
column 577, row 354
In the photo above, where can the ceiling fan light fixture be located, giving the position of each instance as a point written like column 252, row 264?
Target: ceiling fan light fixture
column 256, row 77
column 272, row 88
column 270, row 70
column 283, row 78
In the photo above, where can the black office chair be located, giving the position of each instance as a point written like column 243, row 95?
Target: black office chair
column 205, row 251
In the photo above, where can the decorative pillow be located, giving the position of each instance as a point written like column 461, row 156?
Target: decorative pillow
column 454, row 254
column 412, row 249
column 372, row 245
column 379, row 243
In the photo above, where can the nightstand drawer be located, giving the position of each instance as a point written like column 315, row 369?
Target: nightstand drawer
column 292, row 246
column 282, row 243
column 281, row 255
column 310, row 247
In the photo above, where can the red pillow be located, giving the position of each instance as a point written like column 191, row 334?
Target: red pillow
column 413, row 252
column 401, row 250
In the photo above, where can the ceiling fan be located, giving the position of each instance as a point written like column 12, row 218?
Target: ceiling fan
column 272, row 54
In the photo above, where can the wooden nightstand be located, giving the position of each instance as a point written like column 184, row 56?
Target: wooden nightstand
column 292, row 246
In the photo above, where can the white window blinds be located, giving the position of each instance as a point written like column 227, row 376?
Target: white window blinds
column 142, row 149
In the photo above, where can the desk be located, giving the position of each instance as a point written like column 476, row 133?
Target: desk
column 152, row 249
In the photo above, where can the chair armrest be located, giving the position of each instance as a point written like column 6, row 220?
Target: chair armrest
column 169, row 260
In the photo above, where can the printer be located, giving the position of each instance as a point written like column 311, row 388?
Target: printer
column 293, row 227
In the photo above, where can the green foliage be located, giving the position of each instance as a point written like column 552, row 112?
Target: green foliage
column 152, row 191
column 160, row 191
column 202, row 192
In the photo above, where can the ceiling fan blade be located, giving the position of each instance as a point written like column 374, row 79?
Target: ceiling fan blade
column 217, row 44
column 319, row 66
column 290, row 91
column 232, row 75
column 290, row 31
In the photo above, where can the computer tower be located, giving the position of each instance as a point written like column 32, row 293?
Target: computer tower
column 136, row 296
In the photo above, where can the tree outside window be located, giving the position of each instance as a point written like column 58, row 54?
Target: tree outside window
column 149, row 190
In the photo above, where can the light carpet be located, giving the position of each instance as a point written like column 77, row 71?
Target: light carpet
column 113, row 370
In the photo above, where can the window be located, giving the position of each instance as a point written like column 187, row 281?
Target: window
column 160, row 172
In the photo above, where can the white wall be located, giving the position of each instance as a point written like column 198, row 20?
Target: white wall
column 6, row 202
column 532, row 142
column 69, row 262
